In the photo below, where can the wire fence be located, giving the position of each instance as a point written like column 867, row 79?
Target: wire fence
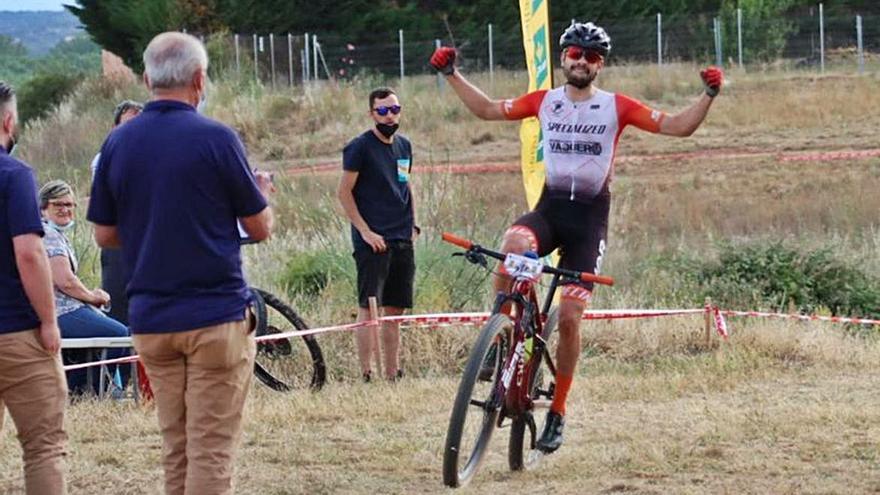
column 811, row 41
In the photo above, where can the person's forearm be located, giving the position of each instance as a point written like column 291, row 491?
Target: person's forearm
column 73, row 287
column 346, row 199
column 688, row 120
column 36, row 278
column 473, row 97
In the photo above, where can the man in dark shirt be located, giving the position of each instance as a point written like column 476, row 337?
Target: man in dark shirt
column 375, row 193
column 113, row 278
column 168, row 189
column 32, row 384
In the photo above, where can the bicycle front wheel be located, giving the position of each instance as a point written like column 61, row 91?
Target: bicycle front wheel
column 288, row 363
column 476, row 408
column 521, row 453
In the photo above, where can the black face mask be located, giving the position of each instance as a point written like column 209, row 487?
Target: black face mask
column 10, row 148
column 387, row 130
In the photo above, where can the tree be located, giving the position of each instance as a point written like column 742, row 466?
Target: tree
column 125, row 27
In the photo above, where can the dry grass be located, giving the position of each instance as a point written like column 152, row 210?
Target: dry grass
column 784, row 408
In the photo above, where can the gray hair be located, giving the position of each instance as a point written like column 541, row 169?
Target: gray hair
column 171, row 59
column 53, row 189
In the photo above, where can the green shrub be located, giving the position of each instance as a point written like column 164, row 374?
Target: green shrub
column 39, row 95
column 309, row 273
column 776, row 276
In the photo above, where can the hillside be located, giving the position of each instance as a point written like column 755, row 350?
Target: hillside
column 39, row 31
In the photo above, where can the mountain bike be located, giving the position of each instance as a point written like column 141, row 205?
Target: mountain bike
column 504, row 376
column 288, row 363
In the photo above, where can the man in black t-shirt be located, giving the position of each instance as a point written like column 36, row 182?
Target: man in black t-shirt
column 375, row 193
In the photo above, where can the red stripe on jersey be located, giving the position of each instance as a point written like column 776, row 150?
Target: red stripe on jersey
column 523, row 107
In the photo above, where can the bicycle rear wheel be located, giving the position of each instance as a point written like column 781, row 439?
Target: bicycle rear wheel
column 476, row 408
column 288, row 363
column 521, row 453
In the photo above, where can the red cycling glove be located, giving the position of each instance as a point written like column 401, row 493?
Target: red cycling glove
column 443, row 60
column 713, row 78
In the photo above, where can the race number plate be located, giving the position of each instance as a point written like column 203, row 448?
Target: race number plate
column 519, row 266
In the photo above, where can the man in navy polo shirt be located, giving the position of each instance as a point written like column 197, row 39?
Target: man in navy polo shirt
column 375, row 193
column 168, row 189
column 32, row 384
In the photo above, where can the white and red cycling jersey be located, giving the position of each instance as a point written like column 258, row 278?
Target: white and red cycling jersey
column 579, row 139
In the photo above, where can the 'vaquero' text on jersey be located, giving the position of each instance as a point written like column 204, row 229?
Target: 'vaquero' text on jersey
column 580, row 138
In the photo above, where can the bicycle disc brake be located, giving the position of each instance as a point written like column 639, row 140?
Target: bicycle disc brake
column 533, row 429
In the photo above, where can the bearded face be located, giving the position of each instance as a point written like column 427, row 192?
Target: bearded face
column 580, row 66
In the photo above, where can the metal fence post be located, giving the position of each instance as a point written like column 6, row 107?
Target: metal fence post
column 821, row 38
column 659, row 38
column 272, row 56
column 256, row 61
column 289, row 60
column 237, row 56
column 718, row 57
column 860, row 44
column 491, row 59
column 400, row 43
column 739, row 36
column 439, row 75
column 306, row 62
column 315, row 56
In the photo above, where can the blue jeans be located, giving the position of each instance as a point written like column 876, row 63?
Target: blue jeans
column 87, row 322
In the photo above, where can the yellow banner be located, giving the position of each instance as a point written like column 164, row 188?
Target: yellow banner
column 535, row 19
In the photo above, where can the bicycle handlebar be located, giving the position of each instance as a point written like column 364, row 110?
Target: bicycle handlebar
column 458, row 241
column 582, row 276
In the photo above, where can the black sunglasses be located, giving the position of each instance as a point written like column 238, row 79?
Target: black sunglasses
column 383, row 110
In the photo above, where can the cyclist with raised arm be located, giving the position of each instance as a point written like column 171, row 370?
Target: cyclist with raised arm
column 580, row 126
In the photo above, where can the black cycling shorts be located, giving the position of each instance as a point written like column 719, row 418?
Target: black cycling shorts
column 577, row 229
column 386, row 276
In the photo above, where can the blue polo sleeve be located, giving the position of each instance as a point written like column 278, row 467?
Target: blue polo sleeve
column 239, row 179
column 23, row 214
column 102, row 205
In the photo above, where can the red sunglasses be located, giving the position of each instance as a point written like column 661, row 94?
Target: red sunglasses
column 576, row 53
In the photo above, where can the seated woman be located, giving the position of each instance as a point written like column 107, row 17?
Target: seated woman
column 76, row 305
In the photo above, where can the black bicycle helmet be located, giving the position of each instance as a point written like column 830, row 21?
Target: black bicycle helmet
column 586, row 35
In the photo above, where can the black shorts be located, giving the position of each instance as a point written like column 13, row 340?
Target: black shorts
column 577, row 229
column 386, row 276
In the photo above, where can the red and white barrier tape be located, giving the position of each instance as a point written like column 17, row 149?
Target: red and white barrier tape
column 461, row 319
column 833, row 319
column 126, row 359
column 720, row 324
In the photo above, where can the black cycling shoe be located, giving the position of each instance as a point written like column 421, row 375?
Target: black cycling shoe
column 488, row 368
column 551, row 437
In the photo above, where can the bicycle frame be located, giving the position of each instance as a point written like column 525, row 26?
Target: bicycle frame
column 519, row 369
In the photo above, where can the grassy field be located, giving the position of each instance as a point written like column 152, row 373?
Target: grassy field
column 784, row 408
column 781, row 408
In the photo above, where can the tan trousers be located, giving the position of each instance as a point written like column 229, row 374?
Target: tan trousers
column 33, row 387
column 200, row 379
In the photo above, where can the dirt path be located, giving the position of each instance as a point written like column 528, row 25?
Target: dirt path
column 715, row 154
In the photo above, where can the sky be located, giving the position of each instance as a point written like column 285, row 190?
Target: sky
column 33, row 4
